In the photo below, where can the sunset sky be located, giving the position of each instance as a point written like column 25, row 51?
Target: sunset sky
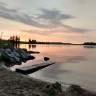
column 49, row 20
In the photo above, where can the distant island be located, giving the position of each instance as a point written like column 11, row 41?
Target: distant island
column 89, row 43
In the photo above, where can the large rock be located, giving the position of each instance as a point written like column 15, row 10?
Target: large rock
column 8, row 50
column 5, row 57
column 2, row 50
column 17, row 60
column 30, row 57
column 75, row 90
column 10, row 55
column 53, row 89
column 16, row 54
column 24, row 49
column 23, row 56
column 19, row 50
column 12, row 60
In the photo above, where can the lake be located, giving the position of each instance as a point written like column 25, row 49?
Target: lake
column 76, row 64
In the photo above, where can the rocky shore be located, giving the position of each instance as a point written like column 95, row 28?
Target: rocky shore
column 16, row 55
column 16, row 84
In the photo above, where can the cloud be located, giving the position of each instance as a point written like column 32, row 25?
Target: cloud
column 56, row 30
column 55, row 17
column 77, row 30
column 40, row 32
column 2, row 3
column 14, row 15
column 52, row 17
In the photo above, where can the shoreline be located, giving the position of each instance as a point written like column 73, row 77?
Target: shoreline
column 16, row 84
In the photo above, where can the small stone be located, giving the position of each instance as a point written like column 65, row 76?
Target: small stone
column 46, row 58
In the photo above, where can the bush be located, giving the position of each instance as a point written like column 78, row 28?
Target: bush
column 5, row 44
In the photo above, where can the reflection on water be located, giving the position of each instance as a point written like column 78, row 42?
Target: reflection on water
column 89, row 46
column 33, row 46
column 18, row 45
column 75, row 64
column 15, row 45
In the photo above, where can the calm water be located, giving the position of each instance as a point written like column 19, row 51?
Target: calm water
column 75, row 64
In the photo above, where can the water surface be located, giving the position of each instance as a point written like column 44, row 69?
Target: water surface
column 75, row 64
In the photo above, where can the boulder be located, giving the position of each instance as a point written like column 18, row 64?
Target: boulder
column 2, row 50
column 23, row 56
column 57, row 86
column 5, row 57
column 31, row 57
column 75, row 90
column 17, row 60
column 8, row 50
column 53, row 89
column 8, row 54
column 24, row 49
column 46, row 58
column 16, row 54
column 12, row 60
column 18, row 50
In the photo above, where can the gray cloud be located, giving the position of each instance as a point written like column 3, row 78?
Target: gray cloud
column 72, row 29
column 2, row 3
column 14, row 15
column 54, row 18
column 53, row 15
column 43, row 32
column 56, row 30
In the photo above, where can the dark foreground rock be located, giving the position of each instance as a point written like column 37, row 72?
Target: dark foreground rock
column 75, row 90
column 53, row 89
column 15, row 84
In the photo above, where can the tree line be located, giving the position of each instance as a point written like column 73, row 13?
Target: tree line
column 89, row 43
column 15, row 39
